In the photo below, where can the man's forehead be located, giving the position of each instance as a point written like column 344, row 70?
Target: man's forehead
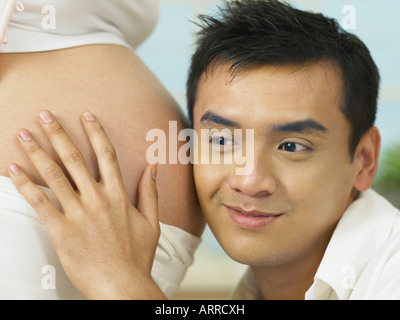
column 219, row 84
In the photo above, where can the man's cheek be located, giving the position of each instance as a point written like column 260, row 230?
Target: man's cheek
column 209, row 179
column 302, row 180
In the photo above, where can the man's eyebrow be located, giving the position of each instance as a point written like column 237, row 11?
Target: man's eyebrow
column 305, row 126
column 212, row 117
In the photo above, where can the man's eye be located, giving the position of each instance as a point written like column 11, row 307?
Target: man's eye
column 293, row 147
column 221, row 141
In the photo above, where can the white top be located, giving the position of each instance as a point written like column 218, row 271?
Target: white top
column 30, row 269
column 42, row 25
column 362, row 260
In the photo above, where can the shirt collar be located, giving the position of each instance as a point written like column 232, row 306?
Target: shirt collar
column 363, row 228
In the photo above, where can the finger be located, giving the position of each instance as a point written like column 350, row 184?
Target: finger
column 47, row 168
column 69, row 154
column 106, row 154
column 148, row 195
column 52, row 218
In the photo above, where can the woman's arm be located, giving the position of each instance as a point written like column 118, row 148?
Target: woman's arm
column 105, row 245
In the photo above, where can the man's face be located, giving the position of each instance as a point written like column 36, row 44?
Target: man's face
column 288, row 206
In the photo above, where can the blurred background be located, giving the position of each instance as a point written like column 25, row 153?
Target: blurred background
column 168, row 50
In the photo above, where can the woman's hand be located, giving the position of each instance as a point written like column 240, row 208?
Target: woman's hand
column 105, row 245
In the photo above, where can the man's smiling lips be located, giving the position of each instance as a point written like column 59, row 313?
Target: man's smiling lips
column 251, row 219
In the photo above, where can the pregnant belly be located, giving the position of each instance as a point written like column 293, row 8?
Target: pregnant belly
column 112, row 82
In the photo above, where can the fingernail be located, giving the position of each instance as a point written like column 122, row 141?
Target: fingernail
column 25, row 135
column 14, row 169
column 46, row 116
column 89, row 116
column 154, row 171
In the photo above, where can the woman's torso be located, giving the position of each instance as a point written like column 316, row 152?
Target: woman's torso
column 113, row 82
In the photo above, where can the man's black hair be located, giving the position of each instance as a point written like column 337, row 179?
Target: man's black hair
column 270, row 32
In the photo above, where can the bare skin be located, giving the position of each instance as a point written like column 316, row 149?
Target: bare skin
column 128, row 99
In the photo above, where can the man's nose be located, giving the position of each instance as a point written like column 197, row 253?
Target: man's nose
column 261, row 181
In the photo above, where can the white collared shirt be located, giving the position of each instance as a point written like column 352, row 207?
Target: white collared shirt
column 362, row 259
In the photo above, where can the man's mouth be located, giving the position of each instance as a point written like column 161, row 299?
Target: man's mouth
column 251, row 219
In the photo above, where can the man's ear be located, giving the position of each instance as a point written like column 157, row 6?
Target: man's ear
column 366, row 159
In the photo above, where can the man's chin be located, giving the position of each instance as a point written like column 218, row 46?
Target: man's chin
column 259, row 257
